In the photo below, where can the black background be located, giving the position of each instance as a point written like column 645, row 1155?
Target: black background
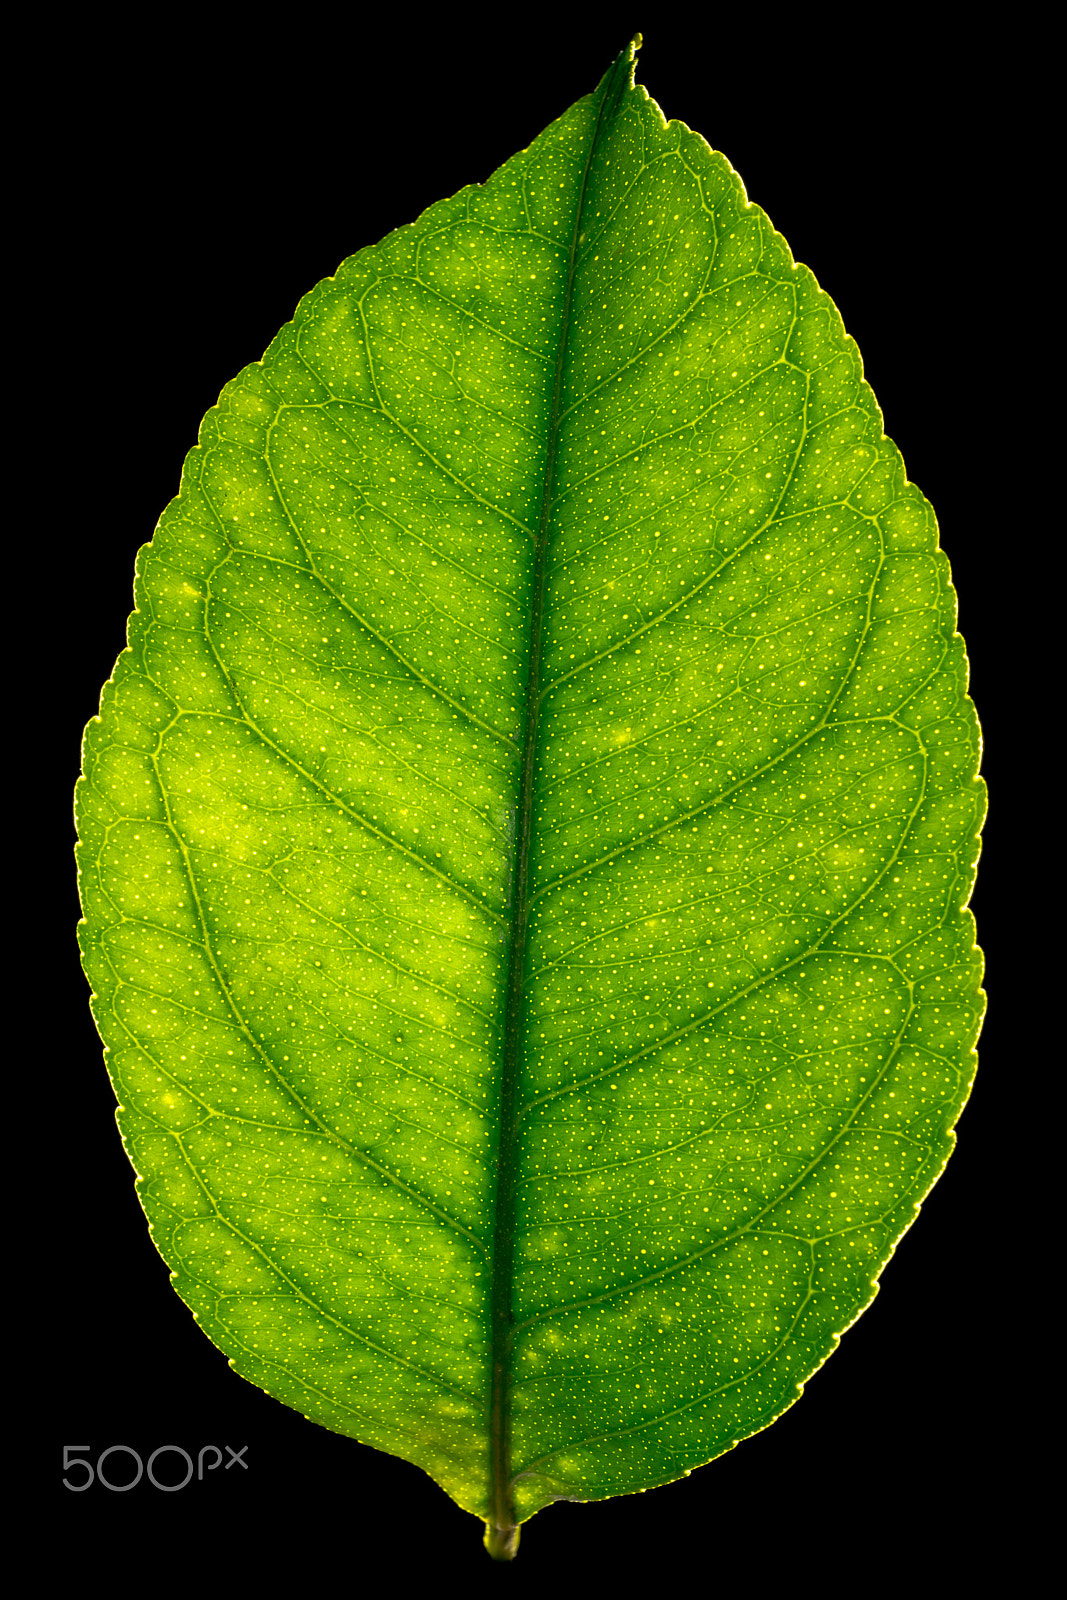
column 197, row 179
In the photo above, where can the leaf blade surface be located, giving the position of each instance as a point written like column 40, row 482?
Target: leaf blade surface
column 751, row 807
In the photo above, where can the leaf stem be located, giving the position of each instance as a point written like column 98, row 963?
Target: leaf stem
column 502, row 1529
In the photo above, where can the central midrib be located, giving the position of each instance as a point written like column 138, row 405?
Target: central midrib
column 502, row 1537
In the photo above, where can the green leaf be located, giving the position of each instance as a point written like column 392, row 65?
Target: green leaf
column 523, row 848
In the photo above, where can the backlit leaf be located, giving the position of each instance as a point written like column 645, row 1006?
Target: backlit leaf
column 523, row 848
